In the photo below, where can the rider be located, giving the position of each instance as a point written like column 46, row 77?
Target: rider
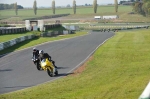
column 35, row 52
column 43, row 55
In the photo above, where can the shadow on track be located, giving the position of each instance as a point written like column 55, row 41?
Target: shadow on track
column 18, row 87
column 64, row 74
column 5, row 70
column 62, row 67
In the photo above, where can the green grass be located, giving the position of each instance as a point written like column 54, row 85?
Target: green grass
column 119, row 69
column 82, row 12
column 7, row 37
column 36, row 41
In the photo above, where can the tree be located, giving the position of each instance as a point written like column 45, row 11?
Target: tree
column 53, row 6
column 116, row 5
column 19, row 7
column 95, row 6
column 142, row 7
column 6, row 6
column 74, row 6
column 16, row 8
column 145, row 10
column 68, row 6
column 149, row 11
column 35, row 7
column 148, row 7
column 145, row 1
column 9, row 6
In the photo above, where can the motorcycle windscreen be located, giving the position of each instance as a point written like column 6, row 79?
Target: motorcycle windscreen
column 43, row 63
column 46, row 62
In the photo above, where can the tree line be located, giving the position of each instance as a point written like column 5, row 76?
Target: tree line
column 95, row 6
column 73, row 5
column 142, row 7
column 9, row 6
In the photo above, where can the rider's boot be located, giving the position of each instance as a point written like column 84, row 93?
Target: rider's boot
column 54, row 64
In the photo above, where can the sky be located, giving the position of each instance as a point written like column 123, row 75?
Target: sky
column 47, row 3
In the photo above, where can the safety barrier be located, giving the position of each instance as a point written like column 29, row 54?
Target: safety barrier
column 56, row 33
column 12, row 42
column 47, row 27
column 112, row 28
column 11, row 30
column 50, row 34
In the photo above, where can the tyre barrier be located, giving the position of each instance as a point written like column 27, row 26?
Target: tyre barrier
column 108, row 28
column 51, row 34
column 11, row 30
column 56, row 33
column 4, row 45
column 47, row 27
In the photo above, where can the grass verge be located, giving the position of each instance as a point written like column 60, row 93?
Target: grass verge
column 7, row 37
column 119, row 69
column 37, row 40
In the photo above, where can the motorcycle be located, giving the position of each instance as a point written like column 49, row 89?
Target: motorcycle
column 48, row 66
column 36, row 61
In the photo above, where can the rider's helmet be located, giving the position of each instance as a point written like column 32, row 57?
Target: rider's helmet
column 34, row 49
column 41, row 52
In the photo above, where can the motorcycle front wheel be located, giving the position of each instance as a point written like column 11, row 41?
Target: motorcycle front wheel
column 38, row 66
column 50, row 73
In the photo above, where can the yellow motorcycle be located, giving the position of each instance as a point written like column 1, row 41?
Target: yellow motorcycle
column 49, row 67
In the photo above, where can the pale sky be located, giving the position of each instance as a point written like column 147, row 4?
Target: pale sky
column 47, row 3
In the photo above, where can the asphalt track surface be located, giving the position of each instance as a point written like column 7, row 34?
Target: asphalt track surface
column 17, row 70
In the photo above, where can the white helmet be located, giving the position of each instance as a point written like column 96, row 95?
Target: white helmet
column 41, row 52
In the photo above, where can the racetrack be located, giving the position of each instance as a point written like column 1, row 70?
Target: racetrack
column 17, row 70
